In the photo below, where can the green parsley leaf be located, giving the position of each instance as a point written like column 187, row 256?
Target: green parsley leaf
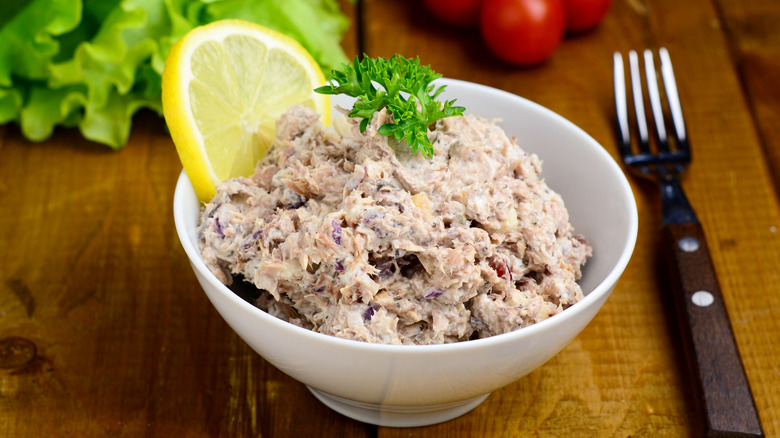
column 406, row 91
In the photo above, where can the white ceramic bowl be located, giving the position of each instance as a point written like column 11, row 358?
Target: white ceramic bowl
column 396, row 385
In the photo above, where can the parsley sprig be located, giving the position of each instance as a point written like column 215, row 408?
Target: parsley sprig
column 406, row 91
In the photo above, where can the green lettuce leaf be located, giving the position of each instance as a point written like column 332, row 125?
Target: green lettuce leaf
column 28, row 36
column 94, row 64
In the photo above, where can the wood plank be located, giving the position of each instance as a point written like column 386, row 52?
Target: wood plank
column 127, row 344
column 754, row 38
column 623, row 375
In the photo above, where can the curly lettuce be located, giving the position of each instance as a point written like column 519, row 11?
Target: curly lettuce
column 93, row 64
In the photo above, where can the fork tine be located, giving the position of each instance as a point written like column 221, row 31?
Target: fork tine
column 674, row 100
column 639, row 103
column 655, row 100
column 621, row 106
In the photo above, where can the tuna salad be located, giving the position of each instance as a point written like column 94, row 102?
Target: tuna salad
column 350, row 234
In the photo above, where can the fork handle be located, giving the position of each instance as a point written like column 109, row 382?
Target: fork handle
column 710, row 348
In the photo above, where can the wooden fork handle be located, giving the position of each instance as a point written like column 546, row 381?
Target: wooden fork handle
column 713, row 358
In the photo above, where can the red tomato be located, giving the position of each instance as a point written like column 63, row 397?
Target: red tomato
column 460, row 13
column 582, row 15
column 523, row 32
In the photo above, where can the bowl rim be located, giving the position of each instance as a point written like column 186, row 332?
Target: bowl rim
column 604, row 287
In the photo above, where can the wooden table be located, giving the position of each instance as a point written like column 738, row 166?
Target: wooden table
column 113, row 336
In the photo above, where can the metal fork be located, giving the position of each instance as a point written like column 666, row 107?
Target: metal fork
column 713, row 358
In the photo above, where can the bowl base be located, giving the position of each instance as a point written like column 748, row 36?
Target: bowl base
column 397, row 416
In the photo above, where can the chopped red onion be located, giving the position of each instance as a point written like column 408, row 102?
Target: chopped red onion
column 336, row 234
column 368, row 314
column 370, row 217
column 433, row 293
column 219, row 228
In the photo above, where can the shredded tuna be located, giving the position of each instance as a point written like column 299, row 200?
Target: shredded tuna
column 349, row 234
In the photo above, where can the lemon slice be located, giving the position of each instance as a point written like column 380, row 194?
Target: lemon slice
column 223, row 87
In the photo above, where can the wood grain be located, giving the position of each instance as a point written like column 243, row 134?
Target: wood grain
column 126, row 344
column 92, row 274
column 730, row 187
column 754, row 40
